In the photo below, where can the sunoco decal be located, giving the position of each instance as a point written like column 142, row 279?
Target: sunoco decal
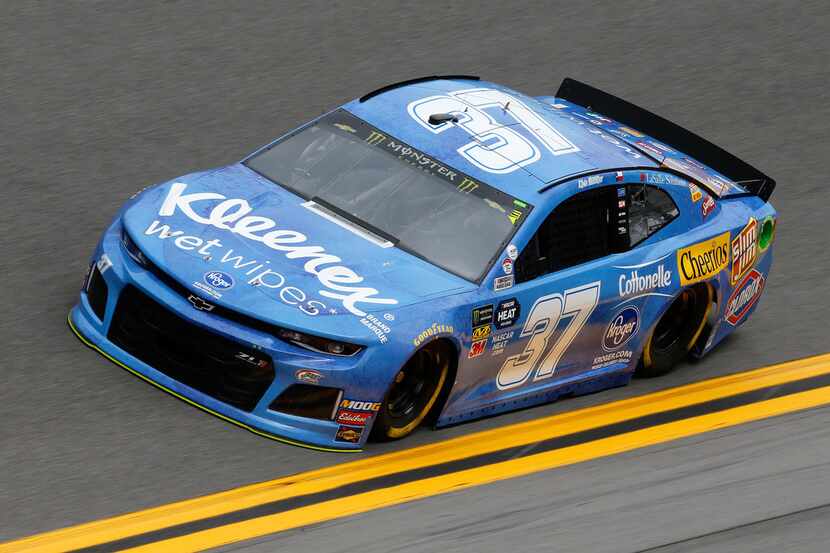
column 703, row 260
column 744, row 297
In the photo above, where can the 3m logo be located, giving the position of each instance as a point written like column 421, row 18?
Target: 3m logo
column 375, row 138
column 477, row 348
column 703, row 260
column 481, row 332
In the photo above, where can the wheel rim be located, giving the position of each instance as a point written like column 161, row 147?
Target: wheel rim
column 412, row 383
column 416, row 390
column 669, row 330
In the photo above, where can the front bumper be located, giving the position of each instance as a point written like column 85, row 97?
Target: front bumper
column 91, row 324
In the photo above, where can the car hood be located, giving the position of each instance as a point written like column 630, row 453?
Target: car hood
column 241, row 241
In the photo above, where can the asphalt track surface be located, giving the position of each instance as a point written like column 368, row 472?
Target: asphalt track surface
column 98, row 100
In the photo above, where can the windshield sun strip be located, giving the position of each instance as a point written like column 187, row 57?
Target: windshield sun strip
column 344, row 122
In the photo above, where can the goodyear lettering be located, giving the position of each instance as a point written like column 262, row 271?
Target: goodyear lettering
column 434, row 330
column 703, row 260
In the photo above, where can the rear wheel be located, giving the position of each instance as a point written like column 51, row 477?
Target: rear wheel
column 676, row 331
column 414, row 392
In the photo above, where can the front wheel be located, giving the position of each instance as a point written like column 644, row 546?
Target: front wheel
column 414, row 392
column 676, row 331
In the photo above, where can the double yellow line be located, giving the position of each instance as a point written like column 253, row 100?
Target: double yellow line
column 465, row 447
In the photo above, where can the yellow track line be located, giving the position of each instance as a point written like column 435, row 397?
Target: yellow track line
column 115, row 528
column 455, row 481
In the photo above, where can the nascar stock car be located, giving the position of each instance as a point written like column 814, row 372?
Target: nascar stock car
column 438, row 250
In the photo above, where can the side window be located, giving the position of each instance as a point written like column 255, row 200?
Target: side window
column 593, row 224
column 650, row 209
column 586, row 226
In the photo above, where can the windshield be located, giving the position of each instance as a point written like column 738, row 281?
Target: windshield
column 420, row 205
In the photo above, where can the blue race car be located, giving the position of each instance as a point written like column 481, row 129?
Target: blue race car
column 438, row 250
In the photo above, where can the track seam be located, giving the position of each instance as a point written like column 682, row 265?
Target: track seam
column 731, row 528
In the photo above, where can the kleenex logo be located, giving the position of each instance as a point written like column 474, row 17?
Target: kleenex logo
column 234, row 215
column 219, row 280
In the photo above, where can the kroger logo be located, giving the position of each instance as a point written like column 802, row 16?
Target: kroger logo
column 623, row 326
column 218, row 280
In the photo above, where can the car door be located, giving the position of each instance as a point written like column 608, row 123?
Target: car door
column 574, row 311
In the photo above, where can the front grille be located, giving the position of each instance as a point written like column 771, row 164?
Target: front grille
column 96, row 292
column 224, row 312
column 219, row 367
column 305, row 400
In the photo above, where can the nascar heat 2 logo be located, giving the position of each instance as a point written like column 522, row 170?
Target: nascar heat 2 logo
column 494, row 147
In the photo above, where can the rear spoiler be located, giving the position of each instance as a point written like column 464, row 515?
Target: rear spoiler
column 673, row 135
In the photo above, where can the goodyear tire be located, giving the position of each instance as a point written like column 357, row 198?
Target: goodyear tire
column 415, row 392
column 676, row 331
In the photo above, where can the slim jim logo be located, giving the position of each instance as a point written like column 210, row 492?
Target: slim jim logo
column 744, row 250
column 703, row 260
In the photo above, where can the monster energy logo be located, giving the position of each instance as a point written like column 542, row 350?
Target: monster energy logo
column 467, row 185
column 375, row 138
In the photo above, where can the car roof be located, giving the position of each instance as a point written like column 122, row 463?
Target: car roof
column 593, row 149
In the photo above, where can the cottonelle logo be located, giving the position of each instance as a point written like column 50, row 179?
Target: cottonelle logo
column 703, row 260
column 635, row 283
column 234, row 215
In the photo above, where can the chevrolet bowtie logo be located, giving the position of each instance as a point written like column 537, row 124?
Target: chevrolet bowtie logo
column 199, row 303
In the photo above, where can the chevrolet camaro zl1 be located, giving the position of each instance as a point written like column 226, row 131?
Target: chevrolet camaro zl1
column 438, row 250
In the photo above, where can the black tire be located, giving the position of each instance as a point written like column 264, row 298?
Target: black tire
column 676, row 332
column 415, row 392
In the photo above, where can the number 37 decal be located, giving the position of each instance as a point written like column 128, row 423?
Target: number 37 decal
column 541, row 354
column 496, row 146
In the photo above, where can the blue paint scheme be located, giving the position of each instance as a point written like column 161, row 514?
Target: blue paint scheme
column 294, row 298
